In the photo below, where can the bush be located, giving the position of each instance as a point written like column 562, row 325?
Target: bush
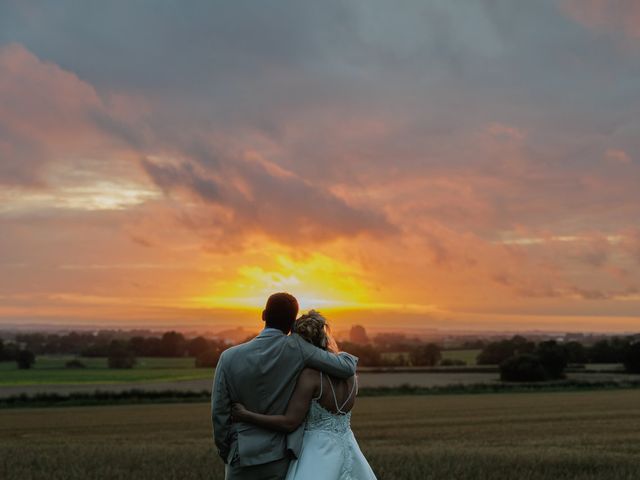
column 209, row 358
column 120, row 355
column 452, row 362
column 173, row 344
column 608, row 351
column 554, row 358
column 25, row 359
column 368, row 355
column 75, row 363
column 399, row 360
column 497, row 352
column 425, row 355
column 8, row 352
column 522, row 368
column 576, row 352
column 632, row 358
column 196, row 346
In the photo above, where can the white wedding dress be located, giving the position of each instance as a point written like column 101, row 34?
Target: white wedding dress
column 329, row 448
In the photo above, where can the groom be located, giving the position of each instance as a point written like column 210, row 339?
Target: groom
column 261, row 374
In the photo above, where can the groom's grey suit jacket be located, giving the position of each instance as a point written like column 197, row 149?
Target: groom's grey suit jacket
column 261, row 374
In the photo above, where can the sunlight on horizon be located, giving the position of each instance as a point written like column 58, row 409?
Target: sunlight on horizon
column 317, row 281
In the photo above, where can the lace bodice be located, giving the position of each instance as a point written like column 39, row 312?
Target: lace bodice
column 319, row 418
column 329, row 448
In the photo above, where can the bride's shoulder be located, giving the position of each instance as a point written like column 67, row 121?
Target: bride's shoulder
column 309, row 377
column 310, row 373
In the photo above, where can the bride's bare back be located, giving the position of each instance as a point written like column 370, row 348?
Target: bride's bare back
column 344, row 390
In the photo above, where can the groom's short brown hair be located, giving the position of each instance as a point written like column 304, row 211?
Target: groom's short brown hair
column 281, row 311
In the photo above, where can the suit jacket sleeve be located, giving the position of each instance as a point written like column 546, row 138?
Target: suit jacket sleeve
column 342, row 365
column 221, row 412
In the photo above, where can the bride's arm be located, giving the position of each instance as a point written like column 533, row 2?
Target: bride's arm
column 306, row 386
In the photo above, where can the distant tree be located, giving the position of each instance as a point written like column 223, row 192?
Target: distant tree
column 577, row 352
column 9, row 352
column 473, row 345
column 139, row 346
column 497, row 352
column 608, row 350
column 631, row 358
column 522, row 345
column 452, row 362
column 173, row 344
column 367, row 354
column 25, row 359
column 358, row 335
column 120, row 355
column 522, row 368
column 397, row 360
column 196, row 346
column 147, row 346
column 209, row 358
column 402, row 360
column 553, row 357
column 75, row 363
column 425, row 355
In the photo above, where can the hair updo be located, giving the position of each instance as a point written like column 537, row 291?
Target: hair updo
column 313, row 327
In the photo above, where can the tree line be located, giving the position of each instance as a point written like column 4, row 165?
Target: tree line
column 521, row 359
column 120, row 352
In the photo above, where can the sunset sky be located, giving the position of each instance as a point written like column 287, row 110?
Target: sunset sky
column 415, row 164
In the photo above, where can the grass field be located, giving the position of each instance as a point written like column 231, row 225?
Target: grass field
column 50, row 369
column 468, row 356
column 564, row 436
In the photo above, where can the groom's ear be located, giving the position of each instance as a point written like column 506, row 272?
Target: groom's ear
column 264, row 315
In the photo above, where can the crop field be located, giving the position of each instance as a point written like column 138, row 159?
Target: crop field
column 533, row 436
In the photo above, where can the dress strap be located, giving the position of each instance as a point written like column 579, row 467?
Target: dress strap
column 320, row 394
column 335, row 400
column 354, row 389
column 339, row 408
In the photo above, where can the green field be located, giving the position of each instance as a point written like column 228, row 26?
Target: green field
column 50, row 369
column 468, row 356
column 560, row 436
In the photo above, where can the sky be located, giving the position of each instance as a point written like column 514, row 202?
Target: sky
column 403, row 165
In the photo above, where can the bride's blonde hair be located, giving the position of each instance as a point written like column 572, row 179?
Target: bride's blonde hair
column 313, row 327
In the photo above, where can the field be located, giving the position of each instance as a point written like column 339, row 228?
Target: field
column 49, row 369
column 467, row 356
column 534, row 436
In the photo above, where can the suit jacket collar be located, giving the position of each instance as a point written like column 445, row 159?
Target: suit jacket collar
column 270, row 332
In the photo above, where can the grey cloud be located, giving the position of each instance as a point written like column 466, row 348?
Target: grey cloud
column 116, row 128
column 285, row 208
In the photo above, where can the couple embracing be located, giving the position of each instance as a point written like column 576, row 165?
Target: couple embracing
column 281, row 403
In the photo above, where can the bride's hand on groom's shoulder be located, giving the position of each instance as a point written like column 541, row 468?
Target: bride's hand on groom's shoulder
column 238, row 412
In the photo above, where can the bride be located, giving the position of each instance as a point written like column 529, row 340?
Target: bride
column 329, row 448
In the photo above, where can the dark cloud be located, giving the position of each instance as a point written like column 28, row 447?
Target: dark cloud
column 284, row 207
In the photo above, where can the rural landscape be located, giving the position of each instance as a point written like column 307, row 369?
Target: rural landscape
column 425, row 412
